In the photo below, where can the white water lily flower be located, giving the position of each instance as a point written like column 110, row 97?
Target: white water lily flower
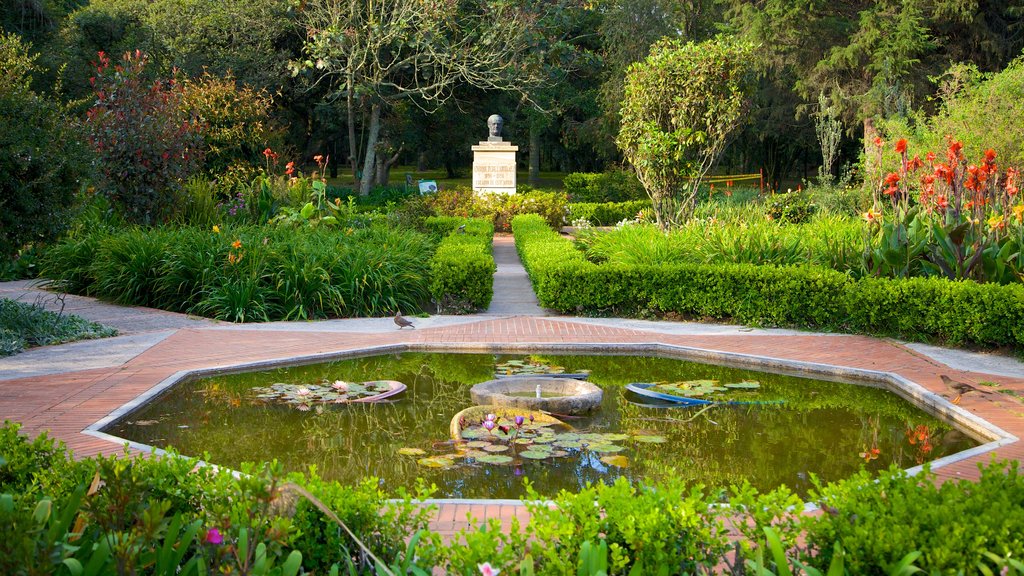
column 303, row 391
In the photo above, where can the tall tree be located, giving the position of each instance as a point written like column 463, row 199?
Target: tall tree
column 378, row 52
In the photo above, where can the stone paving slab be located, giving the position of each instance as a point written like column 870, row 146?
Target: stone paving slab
column 513, row 292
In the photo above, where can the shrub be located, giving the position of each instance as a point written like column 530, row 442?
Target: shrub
column 551, row 206
column 146, row 142
column 250, row 273
column 462, row 269
column 609, row 186
column 43, row 159
column 236, row 121
column 956, row 312
column 606, row 213
column 679, row 108
column 24, row 325
column 792, row 207
column 953, row 524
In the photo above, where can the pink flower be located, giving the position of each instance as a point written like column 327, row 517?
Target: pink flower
column 487, row 570
column 214, row 537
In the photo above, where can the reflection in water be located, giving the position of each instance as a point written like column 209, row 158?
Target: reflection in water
column 826, row 429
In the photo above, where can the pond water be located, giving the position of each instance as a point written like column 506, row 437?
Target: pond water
column 819, row 428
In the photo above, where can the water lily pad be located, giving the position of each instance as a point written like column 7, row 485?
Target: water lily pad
column 544, row 439
column 616, row 460
column 559, row 453
column 411, row 452
column 535, row 454
column 496, row 448
column 745, row 385
column 478, row 444
column 524, row 441
column 605, row 448
column 474, row 454
column 435, row 462
column 576, row 444
column 494, row 459
column 650, row 439
column 475, row 433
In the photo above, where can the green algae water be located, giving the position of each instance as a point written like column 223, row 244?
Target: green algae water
column 803, row 427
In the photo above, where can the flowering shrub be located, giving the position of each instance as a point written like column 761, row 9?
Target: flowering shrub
column 146, row 143
column 947, row 218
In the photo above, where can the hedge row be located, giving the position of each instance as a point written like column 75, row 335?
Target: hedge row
column 606, row 213
column 462, row 269
column 803, row 296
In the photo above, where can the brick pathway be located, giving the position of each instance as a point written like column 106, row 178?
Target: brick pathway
column 67, row 403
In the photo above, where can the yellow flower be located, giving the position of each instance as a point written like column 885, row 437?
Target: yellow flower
column 1018, row 211
column 216, row 229
column 996, row 222
column 871, row 216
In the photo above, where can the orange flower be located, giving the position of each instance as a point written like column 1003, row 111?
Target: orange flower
column 289, row 168
column 236, row 244
column 319, row 159
column 990, row 155
column 268, row 152
column 879, row 142
column 901, row 146
column 892, row 179
column 871, row 216
column 996, row 222
column 941, row 202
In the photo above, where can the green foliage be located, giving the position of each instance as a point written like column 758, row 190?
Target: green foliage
column 43, row 159
column 24, row 325
column 915, row 513
column 606, row 213
column 609, row 186
column 146, row 142
column 552, row 206
column 680, row 106
column 249, row 273
column 793, row 207
column 956, row 312
column 36, row 466
column 462, row 269
column 236, row 120
column 671, row 529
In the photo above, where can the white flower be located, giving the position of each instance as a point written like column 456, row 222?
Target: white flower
column 302, row 391
column 340, row 386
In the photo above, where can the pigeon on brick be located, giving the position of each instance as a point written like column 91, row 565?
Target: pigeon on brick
column 402, row 322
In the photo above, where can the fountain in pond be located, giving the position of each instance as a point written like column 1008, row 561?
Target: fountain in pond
column 549, row 394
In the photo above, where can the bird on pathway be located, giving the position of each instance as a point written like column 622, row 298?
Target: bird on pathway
column 401, row 321
column 960, row 388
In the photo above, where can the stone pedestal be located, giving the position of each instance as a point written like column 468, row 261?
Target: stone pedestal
column 494, row 167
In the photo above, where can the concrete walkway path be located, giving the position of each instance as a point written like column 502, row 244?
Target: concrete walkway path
column 513, row 292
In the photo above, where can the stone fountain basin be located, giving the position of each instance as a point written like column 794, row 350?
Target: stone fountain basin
column 562, row 395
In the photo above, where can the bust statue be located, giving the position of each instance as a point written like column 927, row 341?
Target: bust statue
column 494, row 124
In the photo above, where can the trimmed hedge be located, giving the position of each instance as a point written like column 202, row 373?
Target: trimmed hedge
column 462, row 269
column 610, row 186
column 803, row 296
column 606, row 213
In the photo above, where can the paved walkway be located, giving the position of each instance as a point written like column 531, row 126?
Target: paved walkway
column 513, row 292
column 65, row 389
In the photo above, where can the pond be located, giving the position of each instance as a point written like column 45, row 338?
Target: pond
column 796, row 427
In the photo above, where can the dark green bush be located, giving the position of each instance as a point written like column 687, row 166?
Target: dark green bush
column 606, row 213
column 804, row 296
column 43, row 158
column 271, row 273
column 610, row 186
column 462, row 269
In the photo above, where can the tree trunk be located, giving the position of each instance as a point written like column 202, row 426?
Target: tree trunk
column 353, row 147
column 421, row 162
column 384, row 165
column 371, row 150
column 534, row 175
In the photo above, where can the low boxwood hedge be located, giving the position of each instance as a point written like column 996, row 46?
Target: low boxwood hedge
column 462, row 269
column 802, row 296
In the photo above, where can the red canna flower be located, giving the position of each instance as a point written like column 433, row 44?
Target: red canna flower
column 892, row 179
column 879, row 142
column 901, row 146
column 289, row 168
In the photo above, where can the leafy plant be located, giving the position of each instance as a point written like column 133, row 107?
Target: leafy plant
column 680, row 106
column 33, row 325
